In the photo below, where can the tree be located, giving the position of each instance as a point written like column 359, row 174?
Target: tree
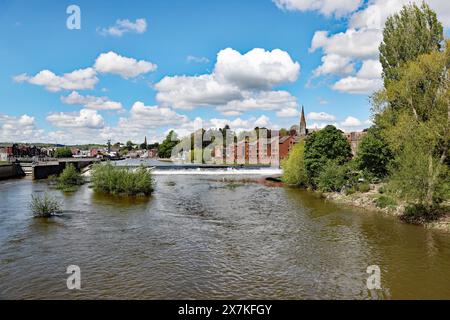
column 129, row 145
column 322, row 146
column 374, row 154
column 407, row 35
column 417, row 127
column 63, row 153
column 294, row 171
column 165, row 149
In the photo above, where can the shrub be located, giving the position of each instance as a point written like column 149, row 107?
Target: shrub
column 44, row 207
column 363, row 187
column 120, row 180
column 70, row 178
column 384, row 202
column 333, row 177
column 350, row 191
column 294, row 171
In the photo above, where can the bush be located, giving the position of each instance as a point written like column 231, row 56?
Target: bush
column 44, row 207
column 333, row 177
column 123, row 181
column 384, row 202
column 363, row 187
column 294, row 172
column 70, row 178
column 350, row 191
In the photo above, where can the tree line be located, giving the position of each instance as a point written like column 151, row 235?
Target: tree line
column 408, row 146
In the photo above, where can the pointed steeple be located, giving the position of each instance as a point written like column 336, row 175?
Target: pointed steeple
column 302, row 132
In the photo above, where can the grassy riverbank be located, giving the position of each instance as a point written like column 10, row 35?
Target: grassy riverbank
column 376, row 200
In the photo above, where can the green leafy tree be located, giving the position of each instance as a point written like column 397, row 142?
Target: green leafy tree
column 417, row 127
column 374, row 154
column 407, row 35
column 323, row 146
column 63, row 153
column 166, row 147
column 294, row 171
column 129, row 145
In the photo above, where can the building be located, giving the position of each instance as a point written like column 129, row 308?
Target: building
column 286, row 144
column 355, row 138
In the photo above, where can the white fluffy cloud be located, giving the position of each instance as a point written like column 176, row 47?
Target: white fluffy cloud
column 125, row 26
column 84, row 79
column 351, row 122
column 352, row 43
column 366, row 81
column 334, row 64
column 114, row 63
column 239, row 82
column 185, row 92
column 257, row 69
column 76, row 80
column 325, row 7
column 320, row 116
column 263, row 100
column 19, row 129
column 91, row 102
column 84, row 119
column 360, row 43
column 288, row 113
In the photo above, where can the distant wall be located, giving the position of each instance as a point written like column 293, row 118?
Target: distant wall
column 44, row 171
column 11, row 171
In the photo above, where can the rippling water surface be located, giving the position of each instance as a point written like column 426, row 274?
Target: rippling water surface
column 202, row 237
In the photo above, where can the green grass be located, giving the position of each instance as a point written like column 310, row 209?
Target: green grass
column 384, row 202
column 4, row 163
column 44, row 206
column 117, row 180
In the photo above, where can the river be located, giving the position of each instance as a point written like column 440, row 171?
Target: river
column 202, row 237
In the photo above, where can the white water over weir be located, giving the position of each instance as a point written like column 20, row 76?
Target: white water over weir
column 159, row 168
column 226, row 171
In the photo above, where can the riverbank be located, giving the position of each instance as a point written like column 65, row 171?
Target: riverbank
column 371, row 201
column 368, row 201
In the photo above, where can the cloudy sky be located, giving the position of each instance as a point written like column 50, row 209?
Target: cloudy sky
column 141, row 68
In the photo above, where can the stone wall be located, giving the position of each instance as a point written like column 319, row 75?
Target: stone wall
column 11, row 171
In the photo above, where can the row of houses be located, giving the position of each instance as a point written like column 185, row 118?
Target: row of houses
column 273, row 150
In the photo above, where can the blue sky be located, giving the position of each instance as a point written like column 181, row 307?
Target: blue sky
column 151, row 66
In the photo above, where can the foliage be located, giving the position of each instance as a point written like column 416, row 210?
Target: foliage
column 113, row 179
column 70, row 178
column 130, row 145
column 407, row 35
column 416, row 124
column 333, row 177
column 374, row 154
column 165, row 149
column 363, row 187
column 323, row 146
column 63, row 153
column 294, row 171
column 384, row 202
column 45, row 206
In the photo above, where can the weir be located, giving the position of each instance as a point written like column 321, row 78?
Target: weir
column 44, row 169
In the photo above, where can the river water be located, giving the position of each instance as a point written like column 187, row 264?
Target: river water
column 204, row 237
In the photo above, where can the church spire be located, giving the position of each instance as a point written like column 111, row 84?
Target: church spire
column 302, row 131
